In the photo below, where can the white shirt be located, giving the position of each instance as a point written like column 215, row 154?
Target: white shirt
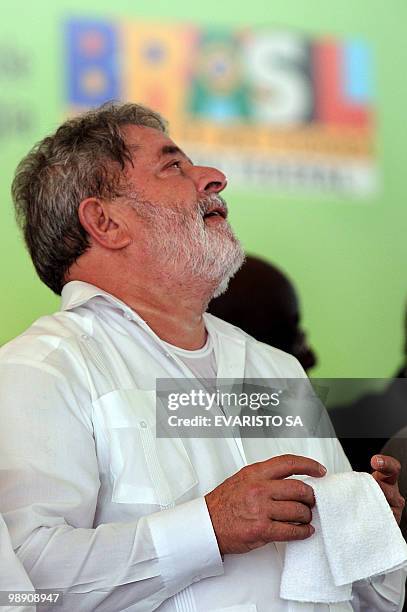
column 13, row 577
column 96, row 505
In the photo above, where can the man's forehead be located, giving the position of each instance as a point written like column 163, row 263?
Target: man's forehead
column 150, row 143
column 148, row 139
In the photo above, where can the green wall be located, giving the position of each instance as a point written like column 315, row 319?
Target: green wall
column 347, row 258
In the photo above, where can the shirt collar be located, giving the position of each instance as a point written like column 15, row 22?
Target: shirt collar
column 78, row 293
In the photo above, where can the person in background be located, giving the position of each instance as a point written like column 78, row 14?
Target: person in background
column 397, row 447
column 262, row 301
column 366, row 424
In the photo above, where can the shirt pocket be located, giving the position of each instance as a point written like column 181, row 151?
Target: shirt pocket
column 144, row 469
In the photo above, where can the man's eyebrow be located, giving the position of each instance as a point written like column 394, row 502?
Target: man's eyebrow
column 172, row 150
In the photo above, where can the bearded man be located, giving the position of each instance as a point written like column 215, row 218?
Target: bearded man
column 121, row 222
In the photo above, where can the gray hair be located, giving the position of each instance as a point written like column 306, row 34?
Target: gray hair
column 85, row 157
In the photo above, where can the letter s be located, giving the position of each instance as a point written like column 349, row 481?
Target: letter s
column 276, row 67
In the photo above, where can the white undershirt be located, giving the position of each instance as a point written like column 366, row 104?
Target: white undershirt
column 201, row 362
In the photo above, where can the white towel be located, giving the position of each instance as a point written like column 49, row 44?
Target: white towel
column 356, row 537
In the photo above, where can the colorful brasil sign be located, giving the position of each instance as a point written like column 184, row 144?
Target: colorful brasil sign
column 272, row 109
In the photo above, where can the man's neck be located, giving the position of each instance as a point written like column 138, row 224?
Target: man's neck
column 176, row 316
column 173, row 310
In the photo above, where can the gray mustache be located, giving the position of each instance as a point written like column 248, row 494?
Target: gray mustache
column 208, row 203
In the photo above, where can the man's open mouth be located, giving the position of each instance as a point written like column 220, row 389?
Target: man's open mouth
column 216, row 212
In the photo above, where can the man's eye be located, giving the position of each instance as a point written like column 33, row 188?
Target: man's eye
column 175, row 164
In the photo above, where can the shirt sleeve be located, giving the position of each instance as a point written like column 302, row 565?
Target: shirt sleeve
column 13, row 577
column 49, row 483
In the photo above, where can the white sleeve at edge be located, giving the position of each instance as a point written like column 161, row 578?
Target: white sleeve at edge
column 186, row 544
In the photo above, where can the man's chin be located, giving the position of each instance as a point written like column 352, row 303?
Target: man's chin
column 233, row 268
column 221, row 288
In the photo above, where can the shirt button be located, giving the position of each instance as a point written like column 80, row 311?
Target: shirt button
column 128, row 316
column 143, row 424
column 85, row 337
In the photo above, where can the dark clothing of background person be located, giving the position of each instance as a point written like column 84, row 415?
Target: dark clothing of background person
column 262, row 301
column 397, row 447
column 364, row 426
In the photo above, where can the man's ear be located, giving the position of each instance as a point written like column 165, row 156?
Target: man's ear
column 104, row 223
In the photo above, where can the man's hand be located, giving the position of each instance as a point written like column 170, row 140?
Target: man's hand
column 257, row 506
column 387, row 470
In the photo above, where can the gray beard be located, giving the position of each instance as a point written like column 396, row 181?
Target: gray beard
column 183, row 243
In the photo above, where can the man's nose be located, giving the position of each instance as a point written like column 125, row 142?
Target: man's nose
column 209, row 180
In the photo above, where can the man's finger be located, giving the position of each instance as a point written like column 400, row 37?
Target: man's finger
column 390, row 492
column 288, row 465
column 292, row 490
column 284, row 532
column 293, row 512
column 388, row 466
